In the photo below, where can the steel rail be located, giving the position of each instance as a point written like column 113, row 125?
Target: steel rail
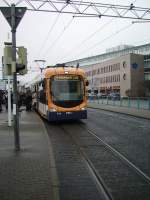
column 101, row 186
column 121, row 157
column 96, row 176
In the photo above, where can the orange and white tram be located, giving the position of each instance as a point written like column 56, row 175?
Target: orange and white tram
column 61, row 94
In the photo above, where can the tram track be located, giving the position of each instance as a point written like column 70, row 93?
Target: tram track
column 74, row 179
column 100, row 184
column 76, row 147
column 143, row 178
column 121, row 157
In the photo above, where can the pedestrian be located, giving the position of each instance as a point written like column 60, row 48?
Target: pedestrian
column 19, row 100
column 1, row 100
column 28, row 100
column 6, row 100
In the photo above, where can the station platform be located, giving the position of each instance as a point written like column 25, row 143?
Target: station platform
column 25, row 174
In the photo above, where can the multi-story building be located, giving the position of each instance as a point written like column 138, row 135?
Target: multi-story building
column 124, row 74
column 125, row 70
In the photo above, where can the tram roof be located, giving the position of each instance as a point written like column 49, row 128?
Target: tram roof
column 50, row 71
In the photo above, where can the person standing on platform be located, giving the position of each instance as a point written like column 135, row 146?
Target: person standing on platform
column 28, row 101
column 1, row 100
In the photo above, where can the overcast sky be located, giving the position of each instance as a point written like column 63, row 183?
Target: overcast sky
column 73, row 38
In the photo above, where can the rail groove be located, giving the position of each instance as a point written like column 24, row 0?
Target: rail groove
column 101, row 186
column 121, row 157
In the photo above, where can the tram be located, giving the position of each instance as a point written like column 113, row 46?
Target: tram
column 61, row 94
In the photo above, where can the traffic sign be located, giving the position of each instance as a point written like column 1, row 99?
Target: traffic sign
column 19, row 13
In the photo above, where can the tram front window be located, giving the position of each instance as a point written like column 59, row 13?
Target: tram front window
column 67, row 91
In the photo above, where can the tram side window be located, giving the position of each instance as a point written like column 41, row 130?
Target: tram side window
column 42, row 93
column 42, row 96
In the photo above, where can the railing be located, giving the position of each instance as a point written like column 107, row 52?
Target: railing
column 130, row 102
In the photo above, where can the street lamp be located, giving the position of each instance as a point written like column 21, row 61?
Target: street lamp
column 40, row 61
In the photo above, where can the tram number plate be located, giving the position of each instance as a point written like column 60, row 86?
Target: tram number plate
column 68, row 113
column 58, row 113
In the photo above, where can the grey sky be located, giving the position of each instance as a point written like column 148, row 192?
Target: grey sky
column 71, row 38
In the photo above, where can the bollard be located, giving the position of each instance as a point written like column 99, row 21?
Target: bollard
column 113, row 102
column 138, row 103
column 120, row 102
column 149, row 103
column 129, row 103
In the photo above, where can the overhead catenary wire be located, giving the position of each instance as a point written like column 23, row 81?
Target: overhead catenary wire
column 50, row 30
column 87, row 8
column 85, row 40
column 6, row 2
column 57, row 39
column 131, row 7
column 61, row 34
column 91, row 9
column 47, row 36
column 92, row 35
column 108, row 37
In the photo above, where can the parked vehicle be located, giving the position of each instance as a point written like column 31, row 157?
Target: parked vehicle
column 92, row 96
column 114, row 96
column 101, row 95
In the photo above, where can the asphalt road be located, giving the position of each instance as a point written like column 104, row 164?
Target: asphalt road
column 129, row 135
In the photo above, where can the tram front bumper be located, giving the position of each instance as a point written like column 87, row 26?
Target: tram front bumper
column 54, row 116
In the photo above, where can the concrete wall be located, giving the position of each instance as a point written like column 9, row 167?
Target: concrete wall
column 137, row 75
column 125, row 74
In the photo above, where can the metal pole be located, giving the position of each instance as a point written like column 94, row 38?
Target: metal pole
column 15, row 100
column 9, row 103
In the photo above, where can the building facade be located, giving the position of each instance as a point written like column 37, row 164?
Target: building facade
column 123, row 70
column 124, row 74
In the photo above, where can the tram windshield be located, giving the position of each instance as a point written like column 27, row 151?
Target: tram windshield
column 67, row 90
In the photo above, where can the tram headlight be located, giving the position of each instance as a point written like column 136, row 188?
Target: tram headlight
column 52, row 110
column 83, row 108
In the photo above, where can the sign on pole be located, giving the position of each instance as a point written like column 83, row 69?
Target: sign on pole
column 19, row 13
column 13, row 16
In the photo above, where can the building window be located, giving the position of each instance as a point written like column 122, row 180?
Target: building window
column 118, row 78
column 147, row 76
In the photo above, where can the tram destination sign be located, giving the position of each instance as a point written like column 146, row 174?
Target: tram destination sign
column 66, row 77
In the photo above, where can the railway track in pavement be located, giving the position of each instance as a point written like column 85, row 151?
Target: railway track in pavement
column 121, row 157
column 114, row 176
column 77, row 177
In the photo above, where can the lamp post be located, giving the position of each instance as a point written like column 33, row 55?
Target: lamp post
column 91, row 79
column 40, row 61
column 41, row 68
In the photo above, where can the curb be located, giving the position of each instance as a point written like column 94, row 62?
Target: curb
column 121, row 112
column 54, row 176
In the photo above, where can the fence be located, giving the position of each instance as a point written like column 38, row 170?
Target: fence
column 136, row 102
